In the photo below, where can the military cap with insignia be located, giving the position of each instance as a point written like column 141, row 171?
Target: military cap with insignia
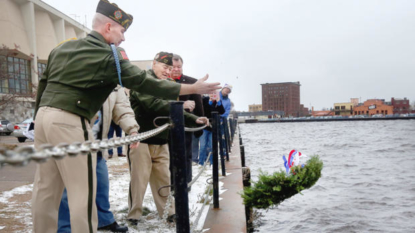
column 112, row 11
column 164, row 57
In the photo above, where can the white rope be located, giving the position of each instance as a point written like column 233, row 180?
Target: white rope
column 195, row 129
column 201, row 209
column 200, row 172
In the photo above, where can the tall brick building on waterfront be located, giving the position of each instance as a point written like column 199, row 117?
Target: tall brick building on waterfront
column 372, row 107
column 283, row 97
column 400, row 106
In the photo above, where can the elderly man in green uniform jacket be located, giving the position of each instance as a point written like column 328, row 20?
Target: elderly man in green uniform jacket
column 79, row 77
column 149, row 163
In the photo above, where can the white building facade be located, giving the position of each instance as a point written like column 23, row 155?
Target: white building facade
column 30, row 29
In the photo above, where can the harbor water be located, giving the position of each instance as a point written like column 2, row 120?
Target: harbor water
column 367, row 182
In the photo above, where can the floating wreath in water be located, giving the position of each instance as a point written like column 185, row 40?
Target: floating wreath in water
column 271, row 190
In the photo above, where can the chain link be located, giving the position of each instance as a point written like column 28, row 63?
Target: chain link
column 21, row 156
column 167, row 207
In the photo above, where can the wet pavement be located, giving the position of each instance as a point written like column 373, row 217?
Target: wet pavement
column 12, row 177
column 230, row 216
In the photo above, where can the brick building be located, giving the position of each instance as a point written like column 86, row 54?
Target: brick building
column 306, row 111
column 343, row 109
column 400, row 106
column 372, row 107
column 282, row 97
column 255, row 107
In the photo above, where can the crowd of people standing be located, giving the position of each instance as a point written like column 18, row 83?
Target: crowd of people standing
column 81, row 101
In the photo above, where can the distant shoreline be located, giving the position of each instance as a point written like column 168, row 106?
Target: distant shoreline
column 291, row 120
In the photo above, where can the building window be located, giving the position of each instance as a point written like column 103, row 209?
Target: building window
column 343, row 107
column 40, row 69
column 15, row 76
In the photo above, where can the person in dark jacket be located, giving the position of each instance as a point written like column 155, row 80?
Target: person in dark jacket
column 149, row 163
column 211, row 103
column 192, row 104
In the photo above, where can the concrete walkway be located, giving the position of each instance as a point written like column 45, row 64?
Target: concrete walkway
column 230, row 217
column 12, row 177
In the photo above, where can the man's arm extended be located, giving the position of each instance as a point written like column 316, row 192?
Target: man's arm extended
column 199, row 87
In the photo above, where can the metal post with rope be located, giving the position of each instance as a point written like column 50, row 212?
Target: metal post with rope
column 215, row 166
column 222, row 149
column 227, row 138
column 179, row 167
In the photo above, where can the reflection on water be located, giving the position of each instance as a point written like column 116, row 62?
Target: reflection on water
column 367, row 183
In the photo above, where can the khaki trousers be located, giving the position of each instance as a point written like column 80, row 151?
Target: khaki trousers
column 77, row 174
column 149, row 163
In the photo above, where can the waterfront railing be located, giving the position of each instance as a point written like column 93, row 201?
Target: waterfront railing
column 223, row 131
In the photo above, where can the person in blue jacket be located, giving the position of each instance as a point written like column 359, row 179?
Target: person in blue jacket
column 211, row 103
column 226, row 102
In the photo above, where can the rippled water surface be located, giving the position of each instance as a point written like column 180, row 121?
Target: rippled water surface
column 368, row 178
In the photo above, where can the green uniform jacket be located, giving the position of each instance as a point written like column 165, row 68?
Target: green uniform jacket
column 81, row 74
column 147, row 108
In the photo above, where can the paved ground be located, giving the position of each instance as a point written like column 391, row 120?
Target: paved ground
column 11, row 177
column 230, row 216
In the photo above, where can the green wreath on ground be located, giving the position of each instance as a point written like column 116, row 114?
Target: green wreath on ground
column 271, row 190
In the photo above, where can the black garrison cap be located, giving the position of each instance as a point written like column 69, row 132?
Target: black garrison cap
column 112, row 11
column 164, row 57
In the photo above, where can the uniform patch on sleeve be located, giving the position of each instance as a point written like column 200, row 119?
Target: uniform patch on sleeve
column 124, row 55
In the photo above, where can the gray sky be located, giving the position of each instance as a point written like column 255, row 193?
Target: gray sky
column 337, row 50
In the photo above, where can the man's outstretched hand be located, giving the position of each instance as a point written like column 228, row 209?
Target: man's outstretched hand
column 203, row 87
column 200, row 87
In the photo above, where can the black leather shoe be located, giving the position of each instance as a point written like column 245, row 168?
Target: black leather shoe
column 133, row 221
column 171, row 218
column 114, row 227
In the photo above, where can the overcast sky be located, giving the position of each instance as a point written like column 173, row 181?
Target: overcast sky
column 337, row 50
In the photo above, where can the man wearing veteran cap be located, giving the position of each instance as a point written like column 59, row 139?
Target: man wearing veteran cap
column 79, row 77
column 193, row 104
column 150, row 161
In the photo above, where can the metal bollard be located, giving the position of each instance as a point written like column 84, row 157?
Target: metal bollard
column 233, row 129
column 242, row 155
column 227, row 139
column 179, row 167
column 215, row 166
column 222, row 156
column 246, row 177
